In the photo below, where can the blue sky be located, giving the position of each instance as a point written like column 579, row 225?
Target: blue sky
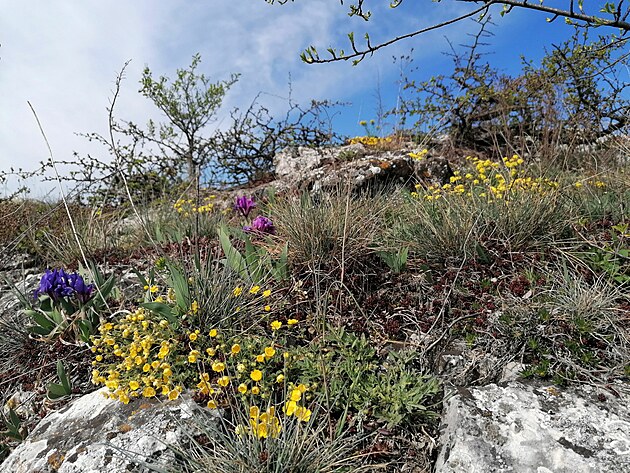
column 63, row 56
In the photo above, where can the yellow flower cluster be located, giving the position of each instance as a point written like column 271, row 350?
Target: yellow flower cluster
column 267, row 424
column 420, row 155
column 591, row 182
column 137, row 352
column 371, row 141
column 491, row 180
column 239, row 291
column 262, row 424
column 188, row 207
column 291, row 407
column 248, row 367
column 142, row 355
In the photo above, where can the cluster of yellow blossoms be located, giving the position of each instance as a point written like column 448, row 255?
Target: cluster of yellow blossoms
column 420, row 155
column 261, row 424
column 372, row 141
column 491, row 180
column 188, row 207
column 250, row 368
column 137, row 352
column 142, row 355
column 590, row 182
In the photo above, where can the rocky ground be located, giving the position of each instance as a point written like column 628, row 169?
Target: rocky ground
column 492, row 418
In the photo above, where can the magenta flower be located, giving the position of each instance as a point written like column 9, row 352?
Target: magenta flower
column 261, row 225
column 244, row 205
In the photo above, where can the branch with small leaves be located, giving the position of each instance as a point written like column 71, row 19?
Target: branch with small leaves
column 608, row 14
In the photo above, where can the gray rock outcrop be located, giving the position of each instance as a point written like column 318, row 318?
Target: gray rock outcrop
column 94, row 434
column 356, row 166
column 523, row 428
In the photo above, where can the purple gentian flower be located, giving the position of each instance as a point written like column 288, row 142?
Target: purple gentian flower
column 261, row 225
column 244, row 205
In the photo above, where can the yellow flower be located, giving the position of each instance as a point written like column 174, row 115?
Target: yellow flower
column 292, row 321
column 276, row 324
column 296, row 395
column 211, row 351
column 267, row 308
column 213, row 333
column 223, row 381
column 237, row 291
column 254, row 290
column 255, row 390
column 212, row 404
column 256, row 375
column 192, row 356
column 192, row 337
column 148, row 392
column 194, row 307
column 146, row 368
column 242, row 388
column 133, row 385
column 111, row 384
column 280, row 378
column 269, row 352
column 260, row 358
column 218, row 366
column 302, row 414
column 235, row 349
column 302, row 388
column 265, row 425
column 266, row 293
column 290, row 408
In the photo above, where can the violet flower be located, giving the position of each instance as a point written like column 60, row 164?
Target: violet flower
column 58, row 284
column 244, row 205
column 261, row 225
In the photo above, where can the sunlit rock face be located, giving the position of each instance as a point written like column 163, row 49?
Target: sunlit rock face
column 523, row 428
column 356, row 166
column 96, row 434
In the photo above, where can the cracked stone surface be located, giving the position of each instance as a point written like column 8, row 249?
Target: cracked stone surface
column 361, row 167
column 522, row 428
column 94, row 434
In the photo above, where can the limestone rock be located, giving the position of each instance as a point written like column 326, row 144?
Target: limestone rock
column 356, row 166
column 94, row 434
column 523, row 428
